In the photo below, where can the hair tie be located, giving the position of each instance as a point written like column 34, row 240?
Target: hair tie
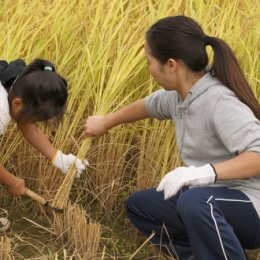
column 48, row 68
column 11, row 88
column 207, row 40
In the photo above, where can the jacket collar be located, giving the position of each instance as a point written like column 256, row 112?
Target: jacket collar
column 201, row 86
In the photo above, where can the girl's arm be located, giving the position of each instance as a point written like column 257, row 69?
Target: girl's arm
column 37, row 139
column 41, row 142
column 6, row 177
column 245, row 165
column 15, row 185
column 98, row 125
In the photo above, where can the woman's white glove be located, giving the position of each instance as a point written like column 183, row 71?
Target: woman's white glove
column 186, row 176
column 65, row 161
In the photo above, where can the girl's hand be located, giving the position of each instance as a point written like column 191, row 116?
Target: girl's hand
column 65, row 161
column 18, row 188
column 96, row 126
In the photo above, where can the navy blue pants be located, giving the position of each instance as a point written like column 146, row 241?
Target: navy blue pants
column 201, row 223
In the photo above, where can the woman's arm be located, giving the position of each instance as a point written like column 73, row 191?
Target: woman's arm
column 131, row 113
column 98, row 125
column 243, row 166
column 239, row 131
column 37, row 139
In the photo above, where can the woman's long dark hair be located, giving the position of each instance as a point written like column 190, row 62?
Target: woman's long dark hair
column 43, row 92
column 180, row 37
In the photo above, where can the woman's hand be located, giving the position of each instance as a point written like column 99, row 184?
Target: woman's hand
column 186, row 176
column 96, row 126
column 18, row 188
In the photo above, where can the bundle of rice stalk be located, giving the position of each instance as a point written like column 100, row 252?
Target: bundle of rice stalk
column 62, row 196
column 78, row 231
column 5, row 248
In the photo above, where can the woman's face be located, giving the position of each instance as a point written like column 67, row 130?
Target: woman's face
column 160, row 72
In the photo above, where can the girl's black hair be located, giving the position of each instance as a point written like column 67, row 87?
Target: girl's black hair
column 42, row 90
column 181, row 38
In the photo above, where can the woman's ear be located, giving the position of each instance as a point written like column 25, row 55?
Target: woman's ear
column 172, row 64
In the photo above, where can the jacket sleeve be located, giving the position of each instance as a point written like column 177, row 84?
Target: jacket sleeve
column 3, row 121
column 161, row 104
column 236, row 125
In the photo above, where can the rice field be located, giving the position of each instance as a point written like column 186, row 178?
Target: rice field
column 97, row 45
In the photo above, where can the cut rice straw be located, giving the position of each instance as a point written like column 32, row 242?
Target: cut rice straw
column 5, row 248
column 78, row 230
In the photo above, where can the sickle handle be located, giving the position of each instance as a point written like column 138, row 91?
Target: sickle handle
column 36, row 197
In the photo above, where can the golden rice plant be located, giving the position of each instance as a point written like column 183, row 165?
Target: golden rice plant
column 98, row 46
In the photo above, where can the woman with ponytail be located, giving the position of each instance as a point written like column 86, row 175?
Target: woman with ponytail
column 209, row 208
column 28, row 95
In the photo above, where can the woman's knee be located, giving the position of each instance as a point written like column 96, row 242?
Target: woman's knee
column 137, row 201
column 191, row 203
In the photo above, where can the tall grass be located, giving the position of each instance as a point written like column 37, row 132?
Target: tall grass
column 98, row 46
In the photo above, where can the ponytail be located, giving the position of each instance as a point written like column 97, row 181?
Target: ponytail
column 225, row 67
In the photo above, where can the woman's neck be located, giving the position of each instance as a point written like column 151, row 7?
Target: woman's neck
column 186, row 81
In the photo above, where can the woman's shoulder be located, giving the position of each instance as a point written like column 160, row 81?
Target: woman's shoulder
column 220, row 93
column 222, row 100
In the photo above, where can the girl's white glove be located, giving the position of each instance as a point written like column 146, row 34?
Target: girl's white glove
column 186, row 176
column 65, row 161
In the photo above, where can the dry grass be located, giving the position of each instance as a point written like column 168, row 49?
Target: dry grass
column 97, row 46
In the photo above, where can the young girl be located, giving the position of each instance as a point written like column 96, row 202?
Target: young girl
column 210, row 206
column 38, row 94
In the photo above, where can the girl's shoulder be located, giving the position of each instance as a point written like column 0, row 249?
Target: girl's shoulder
column 4, row 110
column 4, row 105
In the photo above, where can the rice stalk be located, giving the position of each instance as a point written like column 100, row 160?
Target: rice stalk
column 5, row 248
column 78, row 231
column 98, row 46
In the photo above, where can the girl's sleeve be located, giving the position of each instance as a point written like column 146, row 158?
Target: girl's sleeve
column 236, row 125
column 4, row 120
column 161, row 104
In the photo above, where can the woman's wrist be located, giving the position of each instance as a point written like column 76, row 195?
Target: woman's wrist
column 109, row 120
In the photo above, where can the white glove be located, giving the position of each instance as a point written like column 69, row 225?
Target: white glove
column 186, row 176
column 65, row 161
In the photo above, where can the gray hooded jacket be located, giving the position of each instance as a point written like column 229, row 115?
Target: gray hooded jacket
column 212, row 125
